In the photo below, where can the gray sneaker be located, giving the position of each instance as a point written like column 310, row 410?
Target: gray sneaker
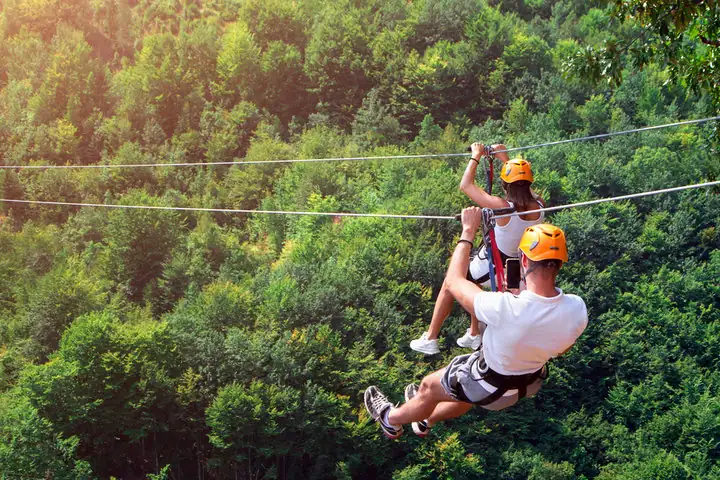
column 376, row 404
column 420, row 428
column 423, row 345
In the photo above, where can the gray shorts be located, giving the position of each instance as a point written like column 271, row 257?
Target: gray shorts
column 466, row 372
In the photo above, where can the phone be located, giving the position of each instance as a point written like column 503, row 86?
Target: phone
column 512, row 272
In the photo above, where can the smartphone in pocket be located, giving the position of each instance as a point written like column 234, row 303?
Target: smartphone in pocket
column 512, row 272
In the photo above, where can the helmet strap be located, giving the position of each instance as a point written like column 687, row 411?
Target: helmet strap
column 523, row 272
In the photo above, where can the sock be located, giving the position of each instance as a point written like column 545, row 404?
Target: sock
column 385, row 418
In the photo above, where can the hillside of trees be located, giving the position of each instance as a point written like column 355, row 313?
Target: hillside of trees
column 151, row 344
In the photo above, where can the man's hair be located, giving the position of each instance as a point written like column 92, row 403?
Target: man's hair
column 520, row 194
column 551, row 267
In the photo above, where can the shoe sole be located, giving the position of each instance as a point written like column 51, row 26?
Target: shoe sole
column 472, row 345
column 392, row 437
column 426, row 352
column 419, row 432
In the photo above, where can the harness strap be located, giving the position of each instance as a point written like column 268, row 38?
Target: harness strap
column 488, row 174
column 503, row 383
column 522, row 392
column 457, row 390
column 503, row 211
column 511, row 382
column 496, row 395
column 488, row 225
column 497, row 261
column 488, row 156
column 496, row 269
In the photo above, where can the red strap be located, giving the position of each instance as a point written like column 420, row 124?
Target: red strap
column 490, row 174
column 497, row 261
column 492, row 170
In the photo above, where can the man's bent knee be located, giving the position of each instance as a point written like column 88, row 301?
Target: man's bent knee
column 431, row 387
column 425, row 386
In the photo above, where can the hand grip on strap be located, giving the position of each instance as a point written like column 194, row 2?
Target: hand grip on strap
column 487, row 153
column 497, row 211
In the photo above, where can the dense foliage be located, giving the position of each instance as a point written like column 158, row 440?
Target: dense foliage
column 684, row 34
column 169, row 344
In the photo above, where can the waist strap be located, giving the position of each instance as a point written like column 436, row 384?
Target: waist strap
column 511, row 382
column 503, row 383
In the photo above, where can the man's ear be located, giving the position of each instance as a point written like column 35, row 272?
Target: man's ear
column 524, row 260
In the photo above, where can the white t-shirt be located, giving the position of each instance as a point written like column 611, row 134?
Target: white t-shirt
column 525, row 331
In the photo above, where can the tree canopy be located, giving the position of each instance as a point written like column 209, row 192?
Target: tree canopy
column 180, row 344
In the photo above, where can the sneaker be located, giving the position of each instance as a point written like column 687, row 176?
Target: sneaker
column 420, row 428
column 423, row 345
column 377, row 404
column 470, row 341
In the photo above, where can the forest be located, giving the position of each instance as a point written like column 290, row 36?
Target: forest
column 170, row 344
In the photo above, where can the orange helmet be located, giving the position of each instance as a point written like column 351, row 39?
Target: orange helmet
column 516, row 170
column 544, row 242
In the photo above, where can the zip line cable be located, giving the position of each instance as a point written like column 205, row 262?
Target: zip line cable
column 366, row 215
column 229, row 210
column 355, row 159
column 611, row 134
column 612, row 199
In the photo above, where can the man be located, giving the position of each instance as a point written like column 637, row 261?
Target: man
column 522, row 333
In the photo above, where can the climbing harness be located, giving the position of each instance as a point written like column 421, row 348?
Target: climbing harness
column 496, row 269
column 495, row 266
column 480, row 371
column 488, row 231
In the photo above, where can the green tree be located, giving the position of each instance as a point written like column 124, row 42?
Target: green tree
column 681, row 35
column 249, row 423
column 65, row 293
column 30, row 448
column 337, row 59
column 111, row 386
column 374, row 126
column 139, row 243
column 168, row 82
column 526, row 53
column 238, row 64
column 45, row 16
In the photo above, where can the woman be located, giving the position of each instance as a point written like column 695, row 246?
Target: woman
column 517, row 177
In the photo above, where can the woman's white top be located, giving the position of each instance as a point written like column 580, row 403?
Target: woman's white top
column 507, row 237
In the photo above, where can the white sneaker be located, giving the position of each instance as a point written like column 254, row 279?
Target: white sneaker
column 470, row 341
column 423, row 345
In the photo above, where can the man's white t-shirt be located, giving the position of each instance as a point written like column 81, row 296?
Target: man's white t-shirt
column 525, row 331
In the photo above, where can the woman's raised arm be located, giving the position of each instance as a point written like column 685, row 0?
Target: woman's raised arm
column 468, row 186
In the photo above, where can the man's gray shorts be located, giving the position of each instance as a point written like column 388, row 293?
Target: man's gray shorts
column 466, row 372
